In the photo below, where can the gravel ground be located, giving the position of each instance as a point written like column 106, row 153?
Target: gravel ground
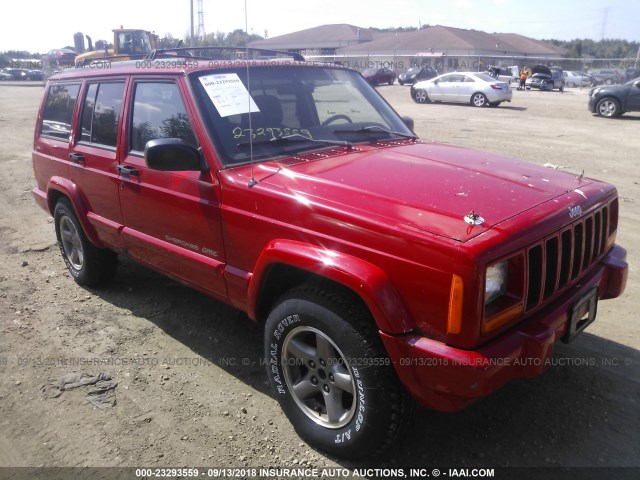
column 192, row 389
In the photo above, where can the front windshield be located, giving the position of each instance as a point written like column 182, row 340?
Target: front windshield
column 289, row 109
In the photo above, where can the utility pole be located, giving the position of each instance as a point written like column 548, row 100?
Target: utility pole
column 604, row 23
column 200, row 31
column 191, row 37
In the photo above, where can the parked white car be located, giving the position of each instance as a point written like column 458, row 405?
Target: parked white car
column 509, row 74
column 577, row 79
column 478, row 89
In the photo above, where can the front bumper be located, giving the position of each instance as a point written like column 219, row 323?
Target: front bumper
column 448, row 379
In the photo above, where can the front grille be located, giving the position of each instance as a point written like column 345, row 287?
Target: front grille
column 558, row 260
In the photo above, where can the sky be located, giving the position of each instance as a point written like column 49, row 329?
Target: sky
column 42, row 25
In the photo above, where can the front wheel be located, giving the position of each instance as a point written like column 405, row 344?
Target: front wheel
column 87, row 264
column 479, row 100
column 420, row 96
column 330, row 373
column 608, row 107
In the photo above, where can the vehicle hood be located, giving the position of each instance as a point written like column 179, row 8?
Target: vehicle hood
column 619, row 90
column 540, row 69
column 540, row 76
column 428, row 186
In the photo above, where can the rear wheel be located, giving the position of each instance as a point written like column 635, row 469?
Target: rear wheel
column 87, row 264
column 608, row 107
column 330, row 373
column 391, row 80
column 479, row 100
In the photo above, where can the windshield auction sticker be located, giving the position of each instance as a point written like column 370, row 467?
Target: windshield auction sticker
column 228, row 94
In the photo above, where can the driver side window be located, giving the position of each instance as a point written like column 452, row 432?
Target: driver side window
column 158, row 112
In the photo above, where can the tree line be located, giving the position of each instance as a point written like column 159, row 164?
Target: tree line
column 577, row 48
column 607, row 48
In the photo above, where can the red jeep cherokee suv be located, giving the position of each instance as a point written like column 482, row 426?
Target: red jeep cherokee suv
column 381, row 265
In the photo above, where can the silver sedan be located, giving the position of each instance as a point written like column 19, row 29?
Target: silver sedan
column 478, row 89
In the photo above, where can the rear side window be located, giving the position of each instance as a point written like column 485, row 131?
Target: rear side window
column 58, row 111
column 158, row 112
column 101, row 113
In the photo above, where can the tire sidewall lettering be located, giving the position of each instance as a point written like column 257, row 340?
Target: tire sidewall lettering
column 344, row 435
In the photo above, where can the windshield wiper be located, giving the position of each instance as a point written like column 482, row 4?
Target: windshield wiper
column 296, row 137
column 374, row 129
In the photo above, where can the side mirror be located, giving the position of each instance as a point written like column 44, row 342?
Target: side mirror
column 173, row 155
column 408, row 121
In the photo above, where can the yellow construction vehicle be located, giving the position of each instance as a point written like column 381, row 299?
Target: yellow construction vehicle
column 128, row 44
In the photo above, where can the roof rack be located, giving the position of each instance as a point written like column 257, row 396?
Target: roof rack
column 108, row 58
column 222, row 53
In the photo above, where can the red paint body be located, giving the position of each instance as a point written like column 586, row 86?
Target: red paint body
column 384, row 219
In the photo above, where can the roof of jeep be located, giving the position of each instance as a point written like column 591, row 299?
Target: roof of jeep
column 176, row 66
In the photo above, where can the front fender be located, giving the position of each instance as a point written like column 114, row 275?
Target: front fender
column 59, row 186
column 366, row 280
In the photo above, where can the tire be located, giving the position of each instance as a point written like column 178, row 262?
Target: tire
column 608, row 81
column 87, row 264
column 421, row 96
column 608, row 107
column 571, row 85
column 392, row 81
column 401, row 82
column 331, row 375
column 479, row 100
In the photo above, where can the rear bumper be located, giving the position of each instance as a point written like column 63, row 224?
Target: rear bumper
column 41, row 199
column 448, row 379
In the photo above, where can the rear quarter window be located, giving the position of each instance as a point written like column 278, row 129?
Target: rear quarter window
column 58, row 110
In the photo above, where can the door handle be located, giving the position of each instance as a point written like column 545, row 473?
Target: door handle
column 76, row 157
column 127, row 171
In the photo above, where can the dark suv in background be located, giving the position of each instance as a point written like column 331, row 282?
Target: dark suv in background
column 614, row 100
column 607, row 76
column 545, row 78
column 417, row 74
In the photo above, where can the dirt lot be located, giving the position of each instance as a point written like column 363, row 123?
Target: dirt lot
column 191, row 387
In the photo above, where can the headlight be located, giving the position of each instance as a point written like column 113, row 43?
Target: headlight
column 495, row 284
column 503, row 293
